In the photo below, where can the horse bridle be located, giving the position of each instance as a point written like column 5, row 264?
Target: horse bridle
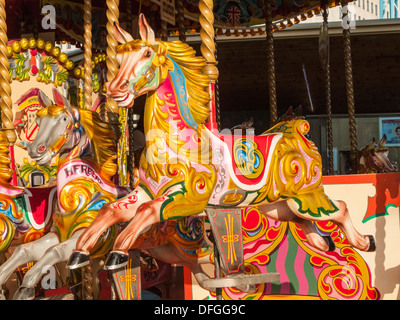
column 144, row 77
column 73, row 128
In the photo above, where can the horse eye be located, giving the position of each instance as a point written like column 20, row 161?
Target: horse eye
column 148, row 54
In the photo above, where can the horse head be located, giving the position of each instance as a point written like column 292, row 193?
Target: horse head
column 59, row 128
column 144, row 64
column 373, row 158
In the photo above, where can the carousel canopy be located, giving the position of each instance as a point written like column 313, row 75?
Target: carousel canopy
column 24, row 16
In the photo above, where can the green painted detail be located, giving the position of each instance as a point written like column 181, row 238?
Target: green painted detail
column 321, row 210
column 380, row 214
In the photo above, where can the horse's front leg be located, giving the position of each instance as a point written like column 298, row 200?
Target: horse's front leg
column 25, row 253
column 121, row 210
column 147, row 214
column 56, row 254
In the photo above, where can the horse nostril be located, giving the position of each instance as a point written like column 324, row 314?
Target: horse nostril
column 41, row 148
column 125, row 85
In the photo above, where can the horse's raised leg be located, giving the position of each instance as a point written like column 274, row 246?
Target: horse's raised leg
column 57, row 253
column 25, row 253
column 147, row 214
column 281, row 211
column 121, row 210
column 342, row 218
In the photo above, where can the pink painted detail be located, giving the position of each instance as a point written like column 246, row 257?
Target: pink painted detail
column 10, row 190
column 80, row 169
column 280, row 265
column 300, row 273
column 310, row 170
column 153, row 185
column 175, row 119
column 131, row 200
column 226, row 168
column 41, row 148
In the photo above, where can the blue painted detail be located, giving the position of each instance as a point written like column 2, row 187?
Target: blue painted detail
column 179, row 82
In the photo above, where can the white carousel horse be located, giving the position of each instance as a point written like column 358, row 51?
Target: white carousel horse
column 86, row 149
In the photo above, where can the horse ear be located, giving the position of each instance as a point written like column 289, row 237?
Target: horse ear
column 120, row 34
column 43, row 99
column 383, row 141
column 371, row 145
column 146, row 32
column 61, row 100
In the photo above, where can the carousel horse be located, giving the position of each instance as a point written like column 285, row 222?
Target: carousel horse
column 373, row 158
column 186, row 168
column 87, row 153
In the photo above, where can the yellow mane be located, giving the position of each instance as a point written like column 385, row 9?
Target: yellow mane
column 196, row 82
column 155, row 118
column 103, row 140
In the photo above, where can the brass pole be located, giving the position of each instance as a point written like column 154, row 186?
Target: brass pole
column 181, row 20
column 207, row 38
column 328, row 97
column 112, row 62
column 207, row 48
column 271, row 64
column 5, row 86
column 112, row 70
column 88, row 86
column 350, row 92
column 5, row 89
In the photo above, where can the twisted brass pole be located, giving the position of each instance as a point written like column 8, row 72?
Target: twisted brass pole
column 5, row 86
column 350, row 93
column 112, row 70
column 207, row 37
column 5, row 90
column 217, row 98
column 87, row 17
column 271, row 64
column 112, row 62
column 328, row 98
column 207, row 48
column 181, row 20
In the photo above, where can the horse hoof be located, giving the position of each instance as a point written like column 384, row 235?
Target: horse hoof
column 372, row 245
column 331, row 244
column 78, row 260
column 3, row 295
column 24, row 293
column 116, row 260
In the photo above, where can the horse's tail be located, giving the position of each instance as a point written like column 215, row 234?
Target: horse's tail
column 297, row 170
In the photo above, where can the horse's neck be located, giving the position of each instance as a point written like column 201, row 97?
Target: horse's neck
column 366, row 164
column 164, row 112
column 82, row 149
column 166, row 131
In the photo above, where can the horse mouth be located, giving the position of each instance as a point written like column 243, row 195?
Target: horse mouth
column 43, row 160
column 125, row 101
